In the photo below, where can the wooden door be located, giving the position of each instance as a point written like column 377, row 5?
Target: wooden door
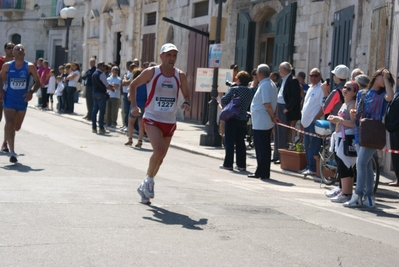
column 245, row 36
column 197, row 58
column 284, row 38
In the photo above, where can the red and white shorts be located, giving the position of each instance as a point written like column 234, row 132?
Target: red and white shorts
column 167, row 129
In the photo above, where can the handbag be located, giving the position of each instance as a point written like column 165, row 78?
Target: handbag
column 349, row 146
column 372, row 133
column 231, row 110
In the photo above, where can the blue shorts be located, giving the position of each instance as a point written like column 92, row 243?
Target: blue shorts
column 16, row 105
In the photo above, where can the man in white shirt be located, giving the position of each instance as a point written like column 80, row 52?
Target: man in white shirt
column 312, row 110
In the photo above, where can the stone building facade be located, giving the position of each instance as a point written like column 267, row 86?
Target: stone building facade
column 37, row 25
column 308, row 33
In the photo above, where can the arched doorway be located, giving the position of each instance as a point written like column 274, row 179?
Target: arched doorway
column 266, row 39
column 16, row 38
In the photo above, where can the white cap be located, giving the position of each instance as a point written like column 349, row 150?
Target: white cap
column 341, row 71
column 168, row 47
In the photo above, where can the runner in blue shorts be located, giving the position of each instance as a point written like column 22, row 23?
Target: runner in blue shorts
column 15, row 99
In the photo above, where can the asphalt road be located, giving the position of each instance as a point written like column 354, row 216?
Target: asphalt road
column 71, row 201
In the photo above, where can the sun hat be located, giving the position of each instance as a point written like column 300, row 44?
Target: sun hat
column 341, row 71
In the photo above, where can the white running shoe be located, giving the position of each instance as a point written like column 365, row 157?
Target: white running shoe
column 333, row 192
column 355, row 201
column 144, row 200
column 148, row 187
column 341, row 198
column 13, row 157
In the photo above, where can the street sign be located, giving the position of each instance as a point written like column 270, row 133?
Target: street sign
column 215, row 55
column 205, row 80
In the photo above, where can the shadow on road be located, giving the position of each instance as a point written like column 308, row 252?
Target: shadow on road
column 20, row 168
column 167, row 217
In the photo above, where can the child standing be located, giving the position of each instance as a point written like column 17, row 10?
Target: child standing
column 58, row 93
column 51, row 88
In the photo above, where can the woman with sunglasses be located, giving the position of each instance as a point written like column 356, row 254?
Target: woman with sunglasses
column 345, row 130
column 374, row 104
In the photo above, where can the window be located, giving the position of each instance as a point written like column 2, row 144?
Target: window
column 16, row 39
column 201, row 9
column 151, row 18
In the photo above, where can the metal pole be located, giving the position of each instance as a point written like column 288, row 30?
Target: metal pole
column 68, row 24
column 212, row 136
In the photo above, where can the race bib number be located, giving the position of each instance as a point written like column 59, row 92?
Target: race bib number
column 18, row 83
column 164, row 104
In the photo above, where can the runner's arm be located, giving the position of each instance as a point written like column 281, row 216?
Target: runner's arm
column 184, row 89
column 32, row 70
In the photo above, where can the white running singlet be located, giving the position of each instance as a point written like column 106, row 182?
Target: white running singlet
column 162, row 96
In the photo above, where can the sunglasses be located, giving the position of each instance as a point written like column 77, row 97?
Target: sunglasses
column 9, row 47
column 348, row 88
column 314, row 75
column 18, row 48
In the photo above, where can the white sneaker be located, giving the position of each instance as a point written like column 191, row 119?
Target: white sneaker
column 341, row 198
column 333, row 192
column 308, row 172
column 355, row 201
column 369, row 201
column 148, row 187
column 13, row 157
column 144, row 200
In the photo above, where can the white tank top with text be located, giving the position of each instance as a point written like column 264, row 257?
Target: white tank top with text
column 162, row 95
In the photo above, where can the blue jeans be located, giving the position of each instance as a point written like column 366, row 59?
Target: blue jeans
column 126, row 108
column 365, row 173
column 312, row 147
column 99, row 104
column 76, row 97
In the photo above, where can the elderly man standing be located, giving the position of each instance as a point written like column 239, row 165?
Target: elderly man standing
column 288, row 108
column 312, row 110
column 263, row 117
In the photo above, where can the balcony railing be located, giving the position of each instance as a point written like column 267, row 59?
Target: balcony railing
column 12, row 5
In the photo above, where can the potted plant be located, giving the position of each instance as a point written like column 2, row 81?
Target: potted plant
column 293, row 159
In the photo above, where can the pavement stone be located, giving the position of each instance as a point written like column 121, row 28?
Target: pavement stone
column 187, row 138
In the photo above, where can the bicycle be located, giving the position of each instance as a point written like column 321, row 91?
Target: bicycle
column 328, row 165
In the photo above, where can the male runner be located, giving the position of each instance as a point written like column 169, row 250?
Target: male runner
column 16, row 73
column 8, row 47
column 163, row 83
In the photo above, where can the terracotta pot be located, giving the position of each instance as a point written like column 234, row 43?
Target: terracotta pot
column 292, row 160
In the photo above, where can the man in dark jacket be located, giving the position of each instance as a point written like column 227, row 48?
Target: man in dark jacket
column 100, row 86
column 89, row 88
column 288, row 108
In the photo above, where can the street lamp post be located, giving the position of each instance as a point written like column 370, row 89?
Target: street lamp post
column 68, row 13
column 212, row 137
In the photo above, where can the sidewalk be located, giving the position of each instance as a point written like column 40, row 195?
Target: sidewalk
column 187, row 138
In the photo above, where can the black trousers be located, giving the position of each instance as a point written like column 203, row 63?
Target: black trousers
column 263, row 152
column 89, row 100
column 394, row 140
column 44, row 97
column 235, row 137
